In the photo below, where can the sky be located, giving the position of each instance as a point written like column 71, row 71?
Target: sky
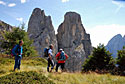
column 102, row 19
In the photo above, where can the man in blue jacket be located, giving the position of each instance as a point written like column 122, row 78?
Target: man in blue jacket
column 17, row 52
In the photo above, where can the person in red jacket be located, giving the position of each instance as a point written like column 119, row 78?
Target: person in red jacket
column 61, row 57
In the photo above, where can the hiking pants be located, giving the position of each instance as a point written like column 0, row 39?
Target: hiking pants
column 17, row 62
column 50, row 62
column 60, row 64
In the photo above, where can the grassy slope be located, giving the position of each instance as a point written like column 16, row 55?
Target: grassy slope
column 39, row 65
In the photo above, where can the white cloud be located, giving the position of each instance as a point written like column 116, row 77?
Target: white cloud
column 65, row 1
column 11, row 5
column 103, row 33
column 2, row 2
column 23, row 1
column 119, row 4
column 19, row 19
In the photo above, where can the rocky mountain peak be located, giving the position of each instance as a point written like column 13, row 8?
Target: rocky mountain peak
column 38, row 11
column 38, row 18
column 117, row 36
column 41, row 30
column 72, row 17
column 73, row 38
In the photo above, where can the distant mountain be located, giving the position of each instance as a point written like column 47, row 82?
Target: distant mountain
column 115, row 44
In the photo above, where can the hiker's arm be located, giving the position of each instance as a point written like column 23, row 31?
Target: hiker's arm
column 50, row 53
column 66, row 57
column 57, row 55
column 50, row 56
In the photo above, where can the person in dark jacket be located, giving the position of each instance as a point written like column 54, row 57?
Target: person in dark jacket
column 17, row 52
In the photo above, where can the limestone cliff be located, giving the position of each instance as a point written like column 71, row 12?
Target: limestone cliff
column 41, row 31
column 73, row 38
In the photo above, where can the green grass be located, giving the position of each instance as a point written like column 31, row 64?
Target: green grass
column 33, row 70
column 78, row 78
column 27, row 64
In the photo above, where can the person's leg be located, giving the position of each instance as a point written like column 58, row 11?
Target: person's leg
column 62, row 66
column 48, row 65
column 57, row 66
column 19, row 62
column 52, row 65
column 16, row 64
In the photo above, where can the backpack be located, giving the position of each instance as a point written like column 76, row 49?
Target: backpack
column 16, row 49
column 46, row 54
column 62, row 56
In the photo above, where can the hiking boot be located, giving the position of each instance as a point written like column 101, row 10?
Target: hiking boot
column 48, row 69
column 51, row 70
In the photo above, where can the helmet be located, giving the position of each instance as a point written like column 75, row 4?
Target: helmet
column 60, row 50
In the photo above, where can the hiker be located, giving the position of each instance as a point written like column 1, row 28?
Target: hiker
column 61, row 57
column 17, row 52
column 50, row 58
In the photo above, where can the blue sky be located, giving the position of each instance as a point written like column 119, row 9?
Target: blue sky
column 102, row 19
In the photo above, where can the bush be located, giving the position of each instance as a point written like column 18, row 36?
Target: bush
column 100, row 60
column 120, row 61
column 25, row 78
column 13, row 38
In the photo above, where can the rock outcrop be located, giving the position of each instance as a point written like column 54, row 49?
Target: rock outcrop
column 4, row 27
column 41, row 31
column 115, row 44
column 73, row 38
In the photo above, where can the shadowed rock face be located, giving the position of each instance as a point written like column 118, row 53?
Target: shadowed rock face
column 41, row 31
column 73, row 38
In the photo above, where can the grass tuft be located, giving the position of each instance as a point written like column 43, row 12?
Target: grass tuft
column 25, row 78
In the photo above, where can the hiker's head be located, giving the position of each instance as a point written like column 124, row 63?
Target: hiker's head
column 21, row 43
column 51, row 46
column 60, row 50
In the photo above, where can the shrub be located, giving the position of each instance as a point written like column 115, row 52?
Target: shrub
column 100, row 60
column 25, row 78
column 13, row 38
column 120, row 61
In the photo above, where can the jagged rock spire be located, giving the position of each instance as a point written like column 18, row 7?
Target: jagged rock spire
column 41, row 30
column 73, row 38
